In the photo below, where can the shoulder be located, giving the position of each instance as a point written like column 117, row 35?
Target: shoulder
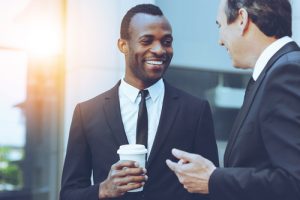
column 292, row 57
column 282, row 81
column 97, row 102
column 288, row 54
column 287, row 65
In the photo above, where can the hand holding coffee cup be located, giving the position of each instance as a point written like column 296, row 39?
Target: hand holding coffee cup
column 134, row 152
column 124, row 176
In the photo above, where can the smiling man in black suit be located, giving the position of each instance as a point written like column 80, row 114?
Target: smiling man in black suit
column 175, row 119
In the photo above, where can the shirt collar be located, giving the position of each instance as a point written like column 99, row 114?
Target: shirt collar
column 267, row 54
column 155, row 90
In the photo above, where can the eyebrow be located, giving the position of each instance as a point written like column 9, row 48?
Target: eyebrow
column 151, row 36
column 146, row 36
column 168, row 36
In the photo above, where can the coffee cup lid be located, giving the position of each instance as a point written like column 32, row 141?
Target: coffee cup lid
column 132, row 149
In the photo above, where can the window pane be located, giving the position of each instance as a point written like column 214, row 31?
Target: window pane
column 13, row 65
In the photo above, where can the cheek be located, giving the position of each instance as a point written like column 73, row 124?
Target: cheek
column 136, row 57
column 170, row 52
column 225, row 33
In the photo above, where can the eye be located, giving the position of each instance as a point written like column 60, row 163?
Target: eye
column 168, row 42
column 146, row 41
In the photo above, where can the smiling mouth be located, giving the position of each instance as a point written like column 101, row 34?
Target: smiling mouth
column 154, row 62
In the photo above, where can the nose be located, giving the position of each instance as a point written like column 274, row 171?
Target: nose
column 158, row 48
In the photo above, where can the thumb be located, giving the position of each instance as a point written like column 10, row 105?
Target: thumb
column 183, row 155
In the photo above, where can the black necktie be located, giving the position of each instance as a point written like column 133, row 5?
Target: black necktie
column 249, row 88
column 142, row 121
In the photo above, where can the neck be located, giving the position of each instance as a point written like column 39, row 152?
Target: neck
column 139, row 84
column 257, row 42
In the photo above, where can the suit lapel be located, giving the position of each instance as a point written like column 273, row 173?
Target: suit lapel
column 241, row 117
column 113, row 115
column 292, row 46
column 168, row 114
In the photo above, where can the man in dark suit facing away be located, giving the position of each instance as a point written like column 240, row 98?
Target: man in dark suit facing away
column 262, row 158
column 100, row 125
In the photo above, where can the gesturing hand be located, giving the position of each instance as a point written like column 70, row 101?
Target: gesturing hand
column 192, row 170
column 123, row 176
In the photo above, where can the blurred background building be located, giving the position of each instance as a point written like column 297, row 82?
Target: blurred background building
column 56, row 53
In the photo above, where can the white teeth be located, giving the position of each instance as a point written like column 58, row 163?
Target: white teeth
column 152, row 62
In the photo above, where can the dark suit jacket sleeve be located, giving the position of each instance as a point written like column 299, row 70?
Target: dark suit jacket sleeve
column 279, row 124
column 76, row 178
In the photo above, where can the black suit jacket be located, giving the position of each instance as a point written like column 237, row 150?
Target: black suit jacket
column 262, row 158
column 97, row 132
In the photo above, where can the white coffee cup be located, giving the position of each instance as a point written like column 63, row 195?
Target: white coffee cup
column 134, row 152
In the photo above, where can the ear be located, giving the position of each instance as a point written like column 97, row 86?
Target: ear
column 123, row 46
column 243, row 20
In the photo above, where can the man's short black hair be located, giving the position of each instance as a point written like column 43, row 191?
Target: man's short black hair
column 141, row 8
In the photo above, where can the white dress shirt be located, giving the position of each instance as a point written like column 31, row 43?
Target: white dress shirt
column 129, row 103
column 267, row 54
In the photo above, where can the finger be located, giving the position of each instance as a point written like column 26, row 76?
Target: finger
column 130, row 186
column 187, row 157
column 124, row 163
column 133, row 179
column 179, row 167
column 136, row 179
column 132, row 171
column 172, row 165
column 181, row 162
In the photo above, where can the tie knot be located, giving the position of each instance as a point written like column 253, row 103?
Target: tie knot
column 144, row 93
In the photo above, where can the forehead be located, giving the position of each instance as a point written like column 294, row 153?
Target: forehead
column 147, row 24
